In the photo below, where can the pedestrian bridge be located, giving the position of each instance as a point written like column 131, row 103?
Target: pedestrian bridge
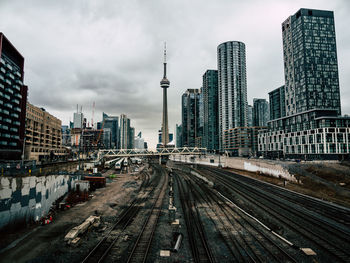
column 113, row 153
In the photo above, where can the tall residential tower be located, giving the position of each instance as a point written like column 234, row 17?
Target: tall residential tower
column 232, row 83
column 210, row 107
column 13, row 99
column 306, row 121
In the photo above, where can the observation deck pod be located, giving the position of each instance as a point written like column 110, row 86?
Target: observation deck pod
column 113, row 153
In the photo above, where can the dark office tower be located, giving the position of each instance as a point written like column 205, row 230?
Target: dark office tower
column 178, row 136
column 111, row 125
column 131, row 138
column 210, row 107
column 190, row 117
column 277, row 103
column 250, row 116
column 124, row 131
column 310, row 62
column 13, row 100
column 260, row 113
column 232, row 83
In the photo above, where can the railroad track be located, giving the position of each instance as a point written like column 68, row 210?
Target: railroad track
column 320, row 232
column 103, row 247
column 247, row 240
column 142, row 245
column 198, row 242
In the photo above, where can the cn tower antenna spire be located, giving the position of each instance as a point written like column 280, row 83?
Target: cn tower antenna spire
column 164, row 52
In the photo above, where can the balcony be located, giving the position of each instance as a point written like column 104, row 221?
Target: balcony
column 18, row 88
column 9, row 90
column 8, row 105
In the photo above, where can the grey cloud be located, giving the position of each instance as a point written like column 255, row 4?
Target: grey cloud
column 110, row 51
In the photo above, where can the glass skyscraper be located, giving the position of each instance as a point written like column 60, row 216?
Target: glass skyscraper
column 190, row 117
column 13, row 99
column 260, row 112
column 305, row 112
column 232, row 83
column 310, row 62
column 210, row 107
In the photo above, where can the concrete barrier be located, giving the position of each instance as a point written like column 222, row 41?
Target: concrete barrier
column 267, row 167
column 25, row 199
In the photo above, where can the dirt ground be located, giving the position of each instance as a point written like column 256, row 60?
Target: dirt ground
column 41, row 240
column 309, row 187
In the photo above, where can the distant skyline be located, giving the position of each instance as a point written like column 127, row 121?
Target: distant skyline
column 111, row 52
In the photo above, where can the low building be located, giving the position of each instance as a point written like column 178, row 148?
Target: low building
column 241, row 141
column 315, row 134
column 43, row 135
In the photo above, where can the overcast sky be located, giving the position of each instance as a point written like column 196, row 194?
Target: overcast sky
column 111, row 52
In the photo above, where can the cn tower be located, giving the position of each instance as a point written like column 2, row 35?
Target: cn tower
column 164, row 84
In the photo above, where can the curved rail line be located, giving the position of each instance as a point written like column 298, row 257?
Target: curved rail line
column 320, row 232
column 103, row 247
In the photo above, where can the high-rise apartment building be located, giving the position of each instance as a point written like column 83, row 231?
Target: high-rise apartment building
column 13, row 99
column 190, row 117
column 232, row 83
column 310, row 59
column 210, row 108
column 260, row 112
column 305, row 112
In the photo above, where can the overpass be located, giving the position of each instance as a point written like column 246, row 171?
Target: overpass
column 113, row 153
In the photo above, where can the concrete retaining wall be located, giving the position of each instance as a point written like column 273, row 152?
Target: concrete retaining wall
column 252, row 165
column 25, row 199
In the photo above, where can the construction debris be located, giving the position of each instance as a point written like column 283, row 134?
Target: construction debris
column 72, row 235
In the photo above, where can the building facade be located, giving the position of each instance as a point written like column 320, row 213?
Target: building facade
column 111, row 130
column 305, row 112
column 43, row 135
column 178, row 135
column 190, row 117
column 232, row 83
column 124, row 131
column 211, row 110
column 242, row 141
column 310, row 59
column 78, row 120
column 250, row 116
column 277, row 103
column 260, row 113
column 13, row 99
